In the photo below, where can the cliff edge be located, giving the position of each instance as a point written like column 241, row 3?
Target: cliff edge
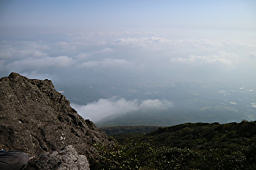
column 35, row 118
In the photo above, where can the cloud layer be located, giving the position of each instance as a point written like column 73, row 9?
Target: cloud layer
column 131, row 51
column 104, row 108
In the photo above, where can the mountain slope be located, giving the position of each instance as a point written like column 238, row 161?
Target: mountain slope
column 35, row 118
column 118, row 130
column 186, row 146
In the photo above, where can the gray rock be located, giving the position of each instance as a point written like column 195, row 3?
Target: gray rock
column 35, row 118
column 13, row 160
column 66, row 159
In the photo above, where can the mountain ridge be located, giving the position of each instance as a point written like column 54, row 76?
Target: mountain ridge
column 35, row 118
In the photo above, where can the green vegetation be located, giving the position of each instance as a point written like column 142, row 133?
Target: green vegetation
column 185, row 146
column 128, row 130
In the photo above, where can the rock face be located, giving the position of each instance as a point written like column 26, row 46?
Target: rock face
column 66, row 159
column 35, row 118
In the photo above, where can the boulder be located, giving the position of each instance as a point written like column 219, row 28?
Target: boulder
column 65, row 159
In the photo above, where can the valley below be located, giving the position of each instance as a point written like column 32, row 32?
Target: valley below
column 38, row 120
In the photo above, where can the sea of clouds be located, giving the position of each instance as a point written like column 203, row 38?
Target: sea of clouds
column 123, row 57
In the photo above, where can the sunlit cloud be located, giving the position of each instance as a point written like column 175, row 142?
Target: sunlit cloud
column 104, row 108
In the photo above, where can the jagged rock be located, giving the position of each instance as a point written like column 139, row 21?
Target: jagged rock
column 66, row 159
column 35, row 118
column 13, row 160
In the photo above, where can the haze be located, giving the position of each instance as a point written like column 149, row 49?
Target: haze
column 141, row 62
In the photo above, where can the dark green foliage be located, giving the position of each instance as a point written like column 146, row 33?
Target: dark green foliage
column 186, row 146
column 117, row 130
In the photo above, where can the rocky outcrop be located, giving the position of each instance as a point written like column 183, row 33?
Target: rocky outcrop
column 35, row 118
column 66, row 159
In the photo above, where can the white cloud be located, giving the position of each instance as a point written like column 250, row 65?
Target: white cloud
column 140, row 53
column 253, row 105
column 104, row 51
column 232, row 102
column 152, row 104
column 34, row 75
column 21, row 49
column 150, row 42
column 108, row 62
column 220, row 59
column 104, row 108
column 82, row 56
column 39, row 63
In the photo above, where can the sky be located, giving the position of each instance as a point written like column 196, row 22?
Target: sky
column 124, row 56
column 149, row 15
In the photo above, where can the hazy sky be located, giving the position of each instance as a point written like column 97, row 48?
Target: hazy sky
column 145, row 15
column 113, row 52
